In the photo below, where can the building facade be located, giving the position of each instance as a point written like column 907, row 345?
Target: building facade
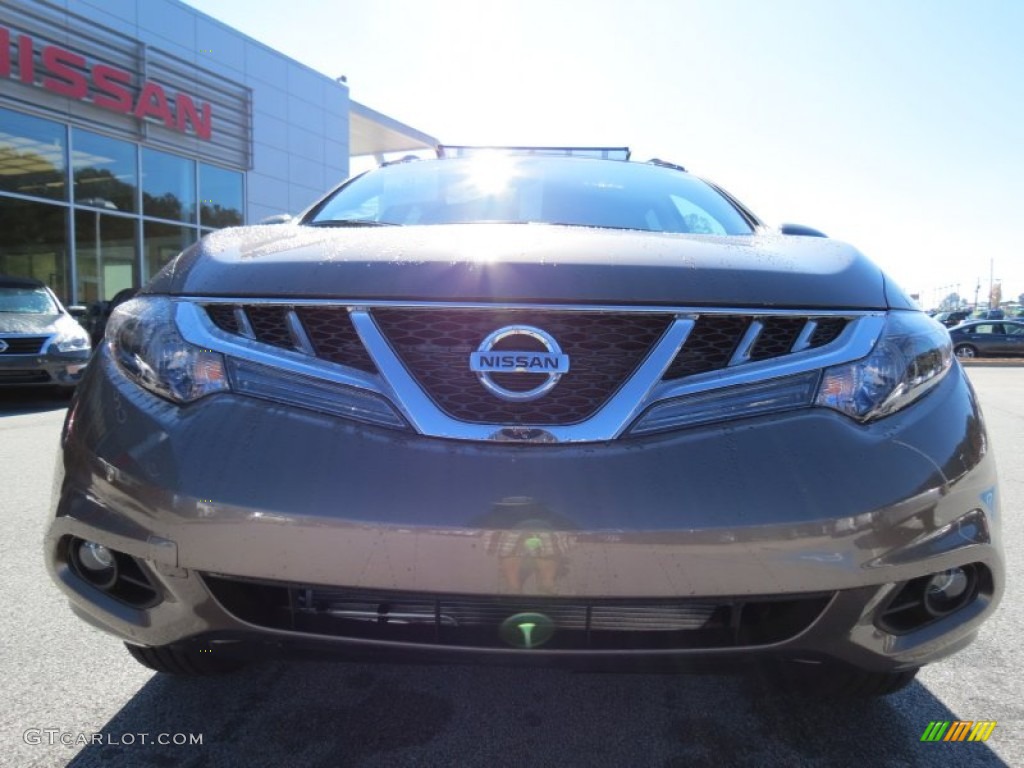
column 129, row 128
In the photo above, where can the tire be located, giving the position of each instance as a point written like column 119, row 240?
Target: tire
column 840, row 680
column 965, row 351
column 189, row 662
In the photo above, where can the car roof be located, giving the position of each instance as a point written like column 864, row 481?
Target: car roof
column 9, row 281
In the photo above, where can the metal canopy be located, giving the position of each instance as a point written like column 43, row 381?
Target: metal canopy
column 372, row 133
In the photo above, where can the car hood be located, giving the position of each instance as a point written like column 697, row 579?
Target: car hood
column 18, row 322
column 524, row 263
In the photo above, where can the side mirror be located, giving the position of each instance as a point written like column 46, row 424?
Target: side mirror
column 77, row 311
column 800, row 230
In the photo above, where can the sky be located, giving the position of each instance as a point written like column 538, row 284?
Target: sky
column 897, row 126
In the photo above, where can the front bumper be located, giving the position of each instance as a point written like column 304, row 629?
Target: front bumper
column 62, row 369
column 781, row 507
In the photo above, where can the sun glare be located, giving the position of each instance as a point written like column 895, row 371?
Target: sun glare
column 491, row 172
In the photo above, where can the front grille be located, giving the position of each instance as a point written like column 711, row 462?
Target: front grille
column 270, row 326
column 603, row 349
column 777, row 337
column 223, row 316
column 477, row 621
column 709, row 346
column 334, row 337
column 329, row 329
column 23, row 345
column 715, row 339
column 828, row 330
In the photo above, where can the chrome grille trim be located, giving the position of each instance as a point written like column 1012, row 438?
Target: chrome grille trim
column 302, row 342
column 604, row 308
column 746, row 345
column 244, row 326
column 803, row 341
column 197, row 328
column 640, row 390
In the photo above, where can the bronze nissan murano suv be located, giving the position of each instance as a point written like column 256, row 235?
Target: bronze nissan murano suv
column 531, row 406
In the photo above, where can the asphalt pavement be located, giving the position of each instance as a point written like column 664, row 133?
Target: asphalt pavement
column 72, row 696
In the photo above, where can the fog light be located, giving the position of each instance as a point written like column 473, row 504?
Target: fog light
column 94, row 563
column 948, row 590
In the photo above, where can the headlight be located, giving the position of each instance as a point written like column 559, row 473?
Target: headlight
column 145, row 343
column 912, row 355
column 71, row 341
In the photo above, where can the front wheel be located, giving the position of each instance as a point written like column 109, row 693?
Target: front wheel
column 192, row 662
column 965, row 351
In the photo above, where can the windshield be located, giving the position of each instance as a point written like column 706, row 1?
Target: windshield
column 27, row 301
column 500, row 188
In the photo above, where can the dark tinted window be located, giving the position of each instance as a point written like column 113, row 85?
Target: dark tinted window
column 104, row 254
column 161, row 243
column 220, row 196
column 591, row 193
column 168, row 186
column 105, row 172
column 33, row 243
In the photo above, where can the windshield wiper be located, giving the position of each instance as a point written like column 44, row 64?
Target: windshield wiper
column 349, row 223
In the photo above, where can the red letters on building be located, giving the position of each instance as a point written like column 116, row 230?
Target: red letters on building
column 68, row 74
column 5, row 52
column 64, row 79
column 153, row 103
column 110, row 86
column 186, row 110
column 26, row 65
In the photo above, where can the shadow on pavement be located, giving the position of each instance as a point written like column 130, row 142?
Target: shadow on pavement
column 18, row 400
column 322, row 714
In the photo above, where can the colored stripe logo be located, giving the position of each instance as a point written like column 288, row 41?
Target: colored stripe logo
column 958, row 730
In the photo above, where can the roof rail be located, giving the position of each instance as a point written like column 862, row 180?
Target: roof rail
column 606, row 153
column 404, row 159
column 666, row 164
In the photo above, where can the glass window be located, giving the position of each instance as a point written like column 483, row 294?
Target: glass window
column 33, row 156
column 553, row 190
column 168, row 186
column 19, row 300
column 105, row 173
column 697, row 219
column 162, row 242
column 33, row 243
column 104, row 255
column 220, row 197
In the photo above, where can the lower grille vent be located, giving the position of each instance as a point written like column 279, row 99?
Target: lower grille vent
column 476, row 621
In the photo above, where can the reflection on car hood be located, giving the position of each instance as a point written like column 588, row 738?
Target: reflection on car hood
column 17, row 322
column 526, row 262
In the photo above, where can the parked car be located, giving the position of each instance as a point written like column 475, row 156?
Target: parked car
column 992, row 314
column 985, row 338
column 529, row 408
column 950, row 319
column 41, row 344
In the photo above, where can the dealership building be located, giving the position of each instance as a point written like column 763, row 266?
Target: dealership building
column 129, row 128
